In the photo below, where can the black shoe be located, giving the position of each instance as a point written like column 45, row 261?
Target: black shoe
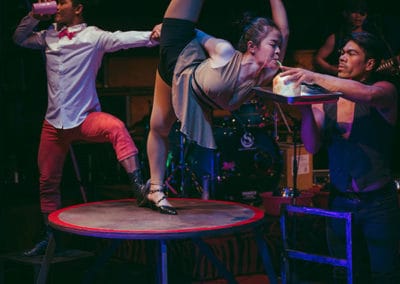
column 163, row 209
column 38, row 249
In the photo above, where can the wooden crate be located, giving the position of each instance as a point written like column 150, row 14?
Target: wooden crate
column 305, row 166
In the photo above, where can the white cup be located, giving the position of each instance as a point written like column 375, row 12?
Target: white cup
column 44, row 8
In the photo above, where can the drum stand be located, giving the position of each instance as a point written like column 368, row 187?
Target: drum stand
column 295, row 165
column 184, row 170
column 294, row 132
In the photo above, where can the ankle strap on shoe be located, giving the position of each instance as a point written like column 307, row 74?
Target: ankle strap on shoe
column 156, row 183
column 156, row 190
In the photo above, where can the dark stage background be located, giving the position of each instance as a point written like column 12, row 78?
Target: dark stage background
column 22, row 76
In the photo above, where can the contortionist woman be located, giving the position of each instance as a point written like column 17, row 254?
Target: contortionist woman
column 198, row 73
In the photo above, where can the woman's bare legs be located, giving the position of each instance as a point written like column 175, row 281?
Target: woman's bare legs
column 161, row 122
column 162, row 115
column 184, row 9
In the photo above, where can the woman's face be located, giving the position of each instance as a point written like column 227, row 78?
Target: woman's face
column 357, row 19
column 267, row 52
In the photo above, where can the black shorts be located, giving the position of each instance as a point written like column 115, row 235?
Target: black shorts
column 175, row 35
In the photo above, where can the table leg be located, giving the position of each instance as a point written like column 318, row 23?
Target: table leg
column 162, row 263
column 101, row 260
column 44, row 267
column 207, row 251
column 264, row 252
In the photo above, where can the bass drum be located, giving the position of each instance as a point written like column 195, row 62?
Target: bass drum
column 249, row 162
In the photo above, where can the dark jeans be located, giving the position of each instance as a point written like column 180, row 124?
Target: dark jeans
column 376, row 228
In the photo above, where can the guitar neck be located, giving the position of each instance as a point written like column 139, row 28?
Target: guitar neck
column 390, row 65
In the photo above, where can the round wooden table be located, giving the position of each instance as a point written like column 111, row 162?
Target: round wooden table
column 196, row 219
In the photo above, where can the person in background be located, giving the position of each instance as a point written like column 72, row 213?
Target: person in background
column 358, row 132
column 355, row 14
column 74, row 53
column 198, row 73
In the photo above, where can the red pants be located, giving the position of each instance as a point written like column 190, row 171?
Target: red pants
column 54, row 145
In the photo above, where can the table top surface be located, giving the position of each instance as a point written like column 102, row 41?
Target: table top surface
column 123, row 219
column 265, row 93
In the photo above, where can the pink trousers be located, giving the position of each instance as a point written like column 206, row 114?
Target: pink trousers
column 98, row 127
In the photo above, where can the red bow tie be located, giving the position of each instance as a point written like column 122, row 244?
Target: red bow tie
column 65, row 32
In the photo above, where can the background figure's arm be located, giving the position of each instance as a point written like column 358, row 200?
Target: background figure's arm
column 323, row 53
column 279, row 16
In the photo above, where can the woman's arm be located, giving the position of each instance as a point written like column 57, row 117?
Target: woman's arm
column 279, row 17
column 219, row 50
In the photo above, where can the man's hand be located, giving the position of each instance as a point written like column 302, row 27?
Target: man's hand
column 156, row 33
column 297, row 75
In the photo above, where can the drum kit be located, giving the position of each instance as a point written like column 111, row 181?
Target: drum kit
column 247, row 162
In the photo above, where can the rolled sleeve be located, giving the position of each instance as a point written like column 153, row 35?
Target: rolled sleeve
column 26, row 37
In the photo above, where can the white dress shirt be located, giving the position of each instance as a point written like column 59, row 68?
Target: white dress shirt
column 72, row 65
